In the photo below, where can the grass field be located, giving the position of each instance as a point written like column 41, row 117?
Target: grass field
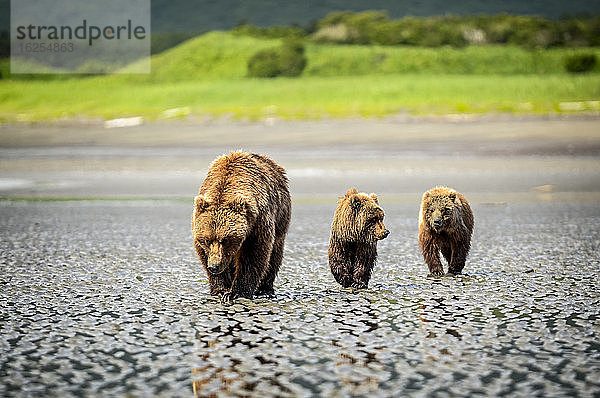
column 206, row 76
column 310, row 97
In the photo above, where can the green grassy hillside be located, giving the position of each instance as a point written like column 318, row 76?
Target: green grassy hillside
column 206, row 76
column 215, row 55
column 331, row 60
column 309, row 97
column 221, row 55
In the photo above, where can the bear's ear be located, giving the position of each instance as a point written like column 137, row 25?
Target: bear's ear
column 350, row 192
column 354, row 202
column 374, row 197
column 200, row 203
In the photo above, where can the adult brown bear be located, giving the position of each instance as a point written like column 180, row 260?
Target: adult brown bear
column 240, row 220
column 445, row 225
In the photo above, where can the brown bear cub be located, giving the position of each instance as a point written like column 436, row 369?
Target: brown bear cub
column 240, row 219
column 445, row 225
column 357, row 226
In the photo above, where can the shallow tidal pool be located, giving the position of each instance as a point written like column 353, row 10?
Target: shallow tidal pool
column 107, row 298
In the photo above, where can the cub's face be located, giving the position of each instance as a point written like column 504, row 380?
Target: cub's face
column 376, row 228
column 368, row 215
column 439, row 211
column 219, row 232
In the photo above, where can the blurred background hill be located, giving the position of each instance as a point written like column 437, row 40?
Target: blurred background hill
column 174, row 21
column 205, row 15
column 202, row 15
column 349, row 58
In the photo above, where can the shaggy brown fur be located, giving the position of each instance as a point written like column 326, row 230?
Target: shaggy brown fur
column 357, row 226
column 241, row 216
column 446, row 225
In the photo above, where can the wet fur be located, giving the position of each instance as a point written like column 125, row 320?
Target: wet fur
column 453, row 237
column 240, row 220
column 356, row 228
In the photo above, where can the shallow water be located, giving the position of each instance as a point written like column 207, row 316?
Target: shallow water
column 107, row 298
column 404, row 173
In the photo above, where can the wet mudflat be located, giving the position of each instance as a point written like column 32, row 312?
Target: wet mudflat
column 489, row 160
column 104, row 298
column 107, row 298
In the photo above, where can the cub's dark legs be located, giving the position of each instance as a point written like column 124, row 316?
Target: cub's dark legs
column 431, row 255
column 366, row 255
column 447, row 253
column 341, row 262
column 459, row 257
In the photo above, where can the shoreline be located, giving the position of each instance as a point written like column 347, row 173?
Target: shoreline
column 494, row 160
column 79, row 121
column 488, row 134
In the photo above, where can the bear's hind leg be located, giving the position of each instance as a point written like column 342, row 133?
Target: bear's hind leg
column 366, row 255
column 447, row 253
column 456, row 268
column 459, row 257
column 266, row 286
column 250, row 267
column 341, row 259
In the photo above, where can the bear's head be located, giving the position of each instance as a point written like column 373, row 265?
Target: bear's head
column 439, row 208
column 359, row 218
column 219, row 229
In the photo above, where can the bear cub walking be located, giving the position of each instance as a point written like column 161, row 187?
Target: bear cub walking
column 357, row 226
column 240, row 219
column 445, row 225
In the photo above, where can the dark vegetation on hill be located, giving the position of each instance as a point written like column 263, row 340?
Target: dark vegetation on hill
column 375, row 27
column 204, row 15
column 191, row 17
column 288, row 60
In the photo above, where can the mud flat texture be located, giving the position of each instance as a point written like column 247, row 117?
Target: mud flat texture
column 107, row 298
column 101, row 293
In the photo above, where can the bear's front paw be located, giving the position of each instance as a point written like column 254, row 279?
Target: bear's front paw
column 228, row 297
column 436, row 274
column 358, row 285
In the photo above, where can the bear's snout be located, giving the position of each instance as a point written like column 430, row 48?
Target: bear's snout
column 380, row 232
column 215, row 259
column 437, row 221
column 214, row 268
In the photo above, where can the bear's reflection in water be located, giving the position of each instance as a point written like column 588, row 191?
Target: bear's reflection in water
column 252, row 350
column 238, row 358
